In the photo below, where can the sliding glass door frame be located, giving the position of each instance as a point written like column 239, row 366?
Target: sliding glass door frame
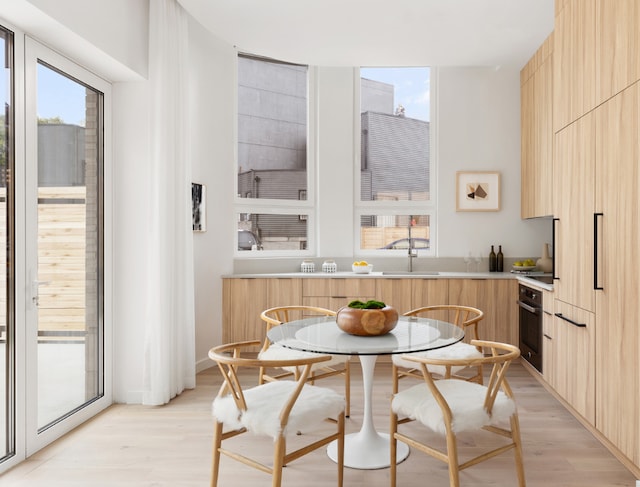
column 26, row 233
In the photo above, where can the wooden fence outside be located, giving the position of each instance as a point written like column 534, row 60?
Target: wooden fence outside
column 378, row 237
column 61, row 262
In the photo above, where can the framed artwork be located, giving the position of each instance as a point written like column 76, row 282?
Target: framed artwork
column 477, row 191
column 199, row 207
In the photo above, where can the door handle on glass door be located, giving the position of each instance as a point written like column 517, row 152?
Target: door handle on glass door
column 36, row 291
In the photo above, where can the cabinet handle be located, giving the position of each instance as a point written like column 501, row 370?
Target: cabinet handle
column 595, row 252
column 547, row 336
column 553, row 244
column 574, row 323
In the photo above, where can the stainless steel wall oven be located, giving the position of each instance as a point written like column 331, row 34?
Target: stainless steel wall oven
column 530, row 319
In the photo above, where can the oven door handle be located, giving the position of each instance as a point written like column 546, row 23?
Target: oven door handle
column 530, row 309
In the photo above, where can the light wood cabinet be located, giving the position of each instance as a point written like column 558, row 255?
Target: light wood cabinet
column 408, row 294
column 597, row 55
column 497, row 298
column 429, row 292
column 243, row 299
column 432, row 292
column 618, row 257
column 574, row 187
column 559, row 5
column 574, row 62
column 549, row 351
column 618, row 46
column 574, row 377
column 396, row 293
column 596, row 164
column 336, row 292
column 598, row 255
column 536, row 146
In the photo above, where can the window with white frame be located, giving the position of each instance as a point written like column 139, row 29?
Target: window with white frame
column 396, row 204
column 273, row 169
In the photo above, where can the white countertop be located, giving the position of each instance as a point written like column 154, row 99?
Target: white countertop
column 416, row 274
column 401, row 275
column 534, row 283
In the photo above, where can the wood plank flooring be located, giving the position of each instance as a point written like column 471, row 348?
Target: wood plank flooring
column 131, row 445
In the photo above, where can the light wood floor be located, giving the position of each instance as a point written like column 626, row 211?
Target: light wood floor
column 131, row 445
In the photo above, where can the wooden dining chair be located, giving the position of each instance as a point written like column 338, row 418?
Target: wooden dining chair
column 336, row 365
column 465, row 317
column 451, row 408
column 276, row 409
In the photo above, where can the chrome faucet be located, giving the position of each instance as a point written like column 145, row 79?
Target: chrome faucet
column 413, row 253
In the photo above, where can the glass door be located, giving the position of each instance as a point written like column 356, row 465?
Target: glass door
column 7, row 336
column 66, row 286
column 64, row 247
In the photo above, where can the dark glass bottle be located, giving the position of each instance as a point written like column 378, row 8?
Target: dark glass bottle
column 500, row 262
column 493, row 260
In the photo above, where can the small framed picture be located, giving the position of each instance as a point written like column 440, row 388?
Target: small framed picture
column 199, row 207
column 477, row 191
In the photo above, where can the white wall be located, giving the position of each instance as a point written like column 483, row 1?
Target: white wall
column 478, row 126
column 335, row 161
column 113, row 27
column 108, row 38
column 131, row 162
column 212, row 149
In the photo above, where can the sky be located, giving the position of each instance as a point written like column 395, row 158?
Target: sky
column 59, row 96
column 411, row 88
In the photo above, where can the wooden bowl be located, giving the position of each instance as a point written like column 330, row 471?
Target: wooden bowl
column 367, row 322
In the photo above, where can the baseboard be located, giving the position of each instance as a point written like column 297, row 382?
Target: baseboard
column 204, row 364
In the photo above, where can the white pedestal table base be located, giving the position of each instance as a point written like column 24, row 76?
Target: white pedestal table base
column 367, row 449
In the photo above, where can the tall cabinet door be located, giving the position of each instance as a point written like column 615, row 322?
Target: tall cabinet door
column 574, row 169
column 537, row 134
column 574, row 69
column 618, row 256
column 618, row 33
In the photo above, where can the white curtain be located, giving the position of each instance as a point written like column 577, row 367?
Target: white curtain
column 169, row 348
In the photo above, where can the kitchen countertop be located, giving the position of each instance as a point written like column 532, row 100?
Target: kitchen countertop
column 534, row 283
column 402, row 275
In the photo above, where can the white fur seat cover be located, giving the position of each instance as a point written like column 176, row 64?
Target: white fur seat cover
column 465, row 399
column 277, row 352
column 265, row 401
column 457, row 350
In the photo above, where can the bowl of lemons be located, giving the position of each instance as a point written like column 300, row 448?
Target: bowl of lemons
column 524, row 265
column 361, row 267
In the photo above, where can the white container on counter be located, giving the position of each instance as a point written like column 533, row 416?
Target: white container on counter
column 307, row 266
column 329, row 266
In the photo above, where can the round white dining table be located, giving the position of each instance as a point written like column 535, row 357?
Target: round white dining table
column 366, row 449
